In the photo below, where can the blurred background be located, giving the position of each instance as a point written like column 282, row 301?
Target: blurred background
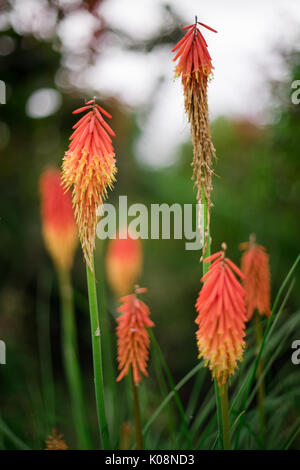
column 56, row 53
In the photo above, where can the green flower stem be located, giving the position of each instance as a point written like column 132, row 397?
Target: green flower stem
column 207, row 247
column 225, row 416
column 259, row 376
column 97, row 357
column 137, row 414
column 70, row 359
column 108, row 351
column 44, row 286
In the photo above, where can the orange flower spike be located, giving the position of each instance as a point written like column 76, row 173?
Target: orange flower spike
column 58, row 223
column 124, row 261
column 133, row 337
column 221, row 317
column 89, row 167
column 255, row 266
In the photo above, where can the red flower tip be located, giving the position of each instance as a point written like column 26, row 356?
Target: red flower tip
column 255, row 266
column 140, row 290
column 133, row 337
column 195, row 61
column 221, row 317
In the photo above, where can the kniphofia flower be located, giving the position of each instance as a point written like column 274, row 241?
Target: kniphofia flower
column 55, row 441
column 124, row 261
column 221, row 317
column 195, row 68
column 133, row 337
column 255, row 266
column 89, row 167
column 58, row 223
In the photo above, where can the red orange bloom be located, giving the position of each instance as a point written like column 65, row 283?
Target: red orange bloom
column 195, row 60
column 89, row 167
column 123, row 264
column 133, row 337
column 255, row 266
column 59, row 227
column 221, row 317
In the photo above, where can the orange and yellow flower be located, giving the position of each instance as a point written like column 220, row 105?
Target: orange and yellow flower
column 89, row 167
column 58, row 223
column 255, row 266
column 221, row 317
column 133, row 337
column 124, row 261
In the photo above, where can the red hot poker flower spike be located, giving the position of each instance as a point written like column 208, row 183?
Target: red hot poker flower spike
column 59, row 227
column 133, row 337
column 89, row 167
column 255, row 266
column 221, row 317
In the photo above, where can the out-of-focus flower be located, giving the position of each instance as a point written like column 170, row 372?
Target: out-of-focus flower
column 124, row 261
column 58, row 223
column 255, row 266
column 195, row 68
column 89, row 167
column 221, row 317
column 55, row 441
column 125, row 437
column 133, row 337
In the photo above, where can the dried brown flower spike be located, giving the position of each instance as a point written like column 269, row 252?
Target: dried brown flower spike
column 195, row 68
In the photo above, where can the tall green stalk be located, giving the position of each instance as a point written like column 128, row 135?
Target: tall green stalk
column 108, row 352
column 260, row 379
column 137, row 414
column 225, row 416
column 44, row 285
column 97, row 357
column 70, row 358
column 207, row 248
